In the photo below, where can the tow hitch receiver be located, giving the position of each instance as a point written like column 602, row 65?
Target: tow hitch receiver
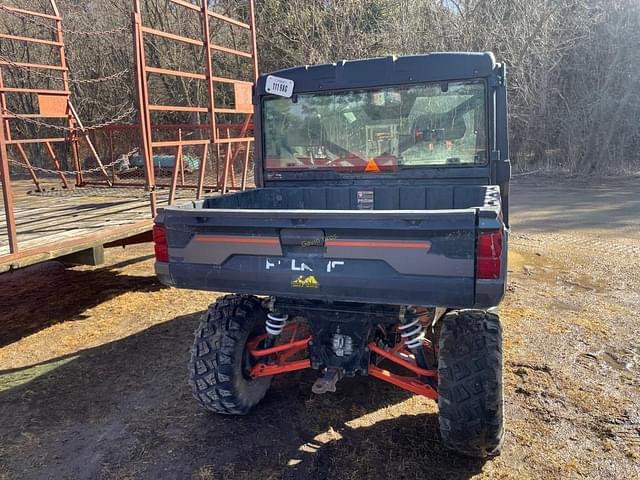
column 327, row 380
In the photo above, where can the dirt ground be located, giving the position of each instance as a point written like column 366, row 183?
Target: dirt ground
column 93, row 369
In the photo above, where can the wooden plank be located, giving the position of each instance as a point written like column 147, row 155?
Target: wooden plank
column 49, row 238
column 93, row 256
column 76, row 217
column 23, row 212
column 71, row 204
column 68, row 208
column 71, row 220
column 35, row 255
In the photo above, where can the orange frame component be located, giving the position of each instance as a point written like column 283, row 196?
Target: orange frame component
column 278, row 362
column 51, row 104
column 280, row 354
column 234, row 144
column 413, row 384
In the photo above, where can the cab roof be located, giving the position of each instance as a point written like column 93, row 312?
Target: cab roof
column 382, row 71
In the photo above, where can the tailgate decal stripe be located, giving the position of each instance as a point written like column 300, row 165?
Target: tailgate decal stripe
column 379, row 244
column 238, row 239
column 216, row 249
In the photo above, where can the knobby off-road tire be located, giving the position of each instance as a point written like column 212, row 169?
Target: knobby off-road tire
column 219, row 361
column 470, row 383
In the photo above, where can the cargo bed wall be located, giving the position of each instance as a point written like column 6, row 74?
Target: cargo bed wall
column 417, row 246
column 432, row 197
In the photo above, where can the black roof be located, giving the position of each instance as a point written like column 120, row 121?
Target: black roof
column 390, row 70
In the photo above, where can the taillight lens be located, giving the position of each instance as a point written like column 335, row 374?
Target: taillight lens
column 160, row 246
column 489, row 263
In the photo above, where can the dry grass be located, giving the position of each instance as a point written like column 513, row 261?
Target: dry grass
column 92, row 382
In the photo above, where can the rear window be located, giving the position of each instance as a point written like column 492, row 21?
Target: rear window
column 436, row 124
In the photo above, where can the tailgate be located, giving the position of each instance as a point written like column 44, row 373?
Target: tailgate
column 418, row 257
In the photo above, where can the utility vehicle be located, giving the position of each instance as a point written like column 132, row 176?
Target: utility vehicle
column 374, row 244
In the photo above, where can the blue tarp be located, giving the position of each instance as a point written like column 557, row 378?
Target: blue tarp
column 191, row 162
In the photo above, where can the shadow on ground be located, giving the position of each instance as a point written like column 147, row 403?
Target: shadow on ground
column 49, row 293
column 123, row 410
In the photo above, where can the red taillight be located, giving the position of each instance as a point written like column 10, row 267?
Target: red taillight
column 489, row 261
column 160, row 246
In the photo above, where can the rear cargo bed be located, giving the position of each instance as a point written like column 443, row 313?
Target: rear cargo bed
column 380, row 244
column 400, row 197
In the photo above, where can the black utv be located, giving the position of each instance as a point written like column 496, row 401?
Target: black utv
column 374, row 244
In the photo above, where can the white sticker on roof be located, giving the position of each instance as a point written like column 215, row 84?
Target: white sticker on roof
column 279, row 86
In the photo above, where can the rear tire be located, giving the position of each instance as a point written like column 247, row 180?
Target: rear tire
column 470, row 397
column 218, row 368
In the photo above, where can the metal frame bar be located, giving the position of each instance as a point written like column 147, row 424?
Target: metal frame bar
column 35, row 91
column 74, row 123
column 275, row 360
column 25, row 160
column 18, row 38
column 143, row 99
column 26, row 141
column 56, row 163
column 176, row 73
column 235, row 144
column 172, row 36
column 41, row 66
column 76, row 119
column 415, row 384
column 5, row 177
column 30, row 12
column 209, row 67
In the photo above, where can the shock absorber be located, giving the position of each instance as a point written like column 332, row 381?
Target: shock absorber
column 412, row 334
column 275, row 323
column 274, row 326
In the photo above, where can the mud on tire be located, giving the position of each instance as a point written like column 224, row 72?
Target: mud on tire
column 470, row 396
column 218, row 367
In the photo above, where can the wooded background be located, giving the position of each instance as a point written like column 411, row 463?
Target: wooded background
column 574, row 65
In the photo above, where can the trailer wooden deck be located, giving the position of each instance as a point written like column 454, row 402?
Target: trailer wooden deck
column 73, row 225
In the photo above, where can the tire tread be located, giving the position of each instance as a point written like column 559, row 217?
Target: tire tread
column 215, row 367
column 470, row 389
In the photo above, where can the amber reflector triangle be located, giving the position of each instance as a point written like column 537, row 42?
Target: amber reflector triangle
column 372, row 166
